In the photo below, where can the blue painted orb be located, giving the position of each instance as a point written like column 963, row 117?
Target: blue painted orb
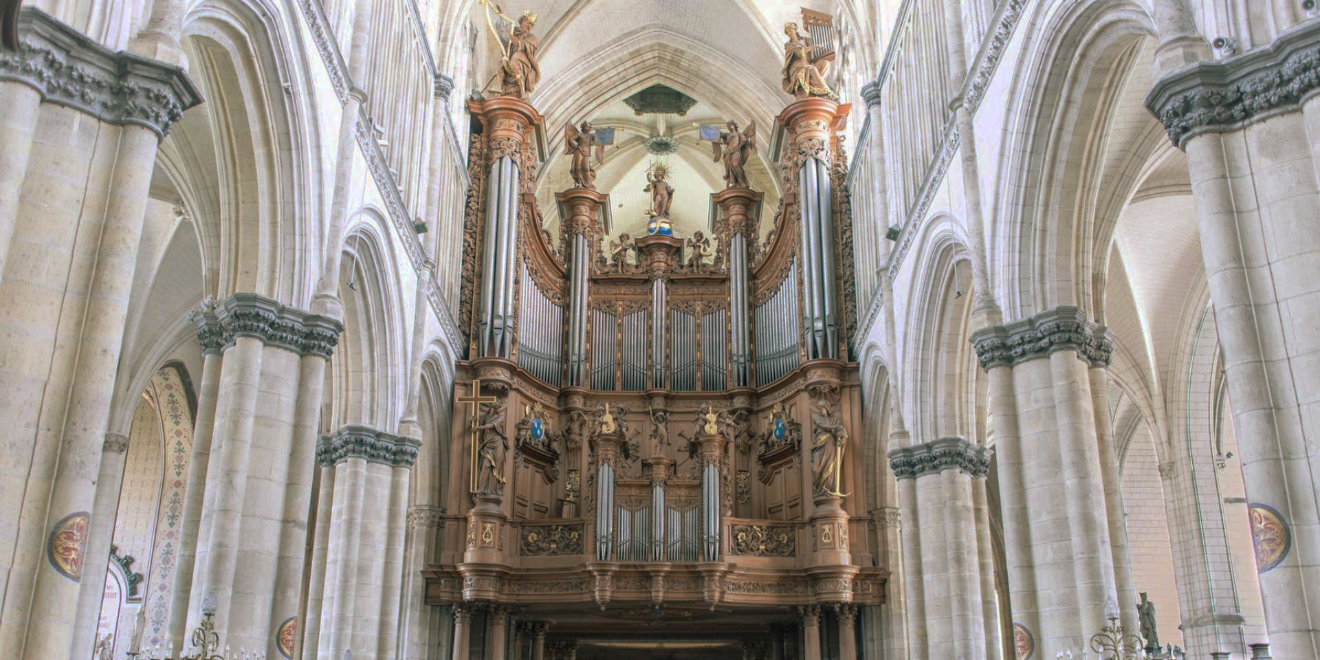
column 780, row 429
column 537, row 430
column 662, row 231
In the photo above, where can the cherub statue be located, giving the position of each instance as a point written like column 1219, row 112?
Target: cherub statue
column 619, row 251
column 699, row 248
column 735, row 148
column 579, row 143
column 662, row 196
column 803, row 74
column 659, row 430
column 519, row 69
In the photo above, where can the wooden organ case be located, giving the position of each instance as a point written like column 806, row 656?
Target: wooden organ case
column 664, row 422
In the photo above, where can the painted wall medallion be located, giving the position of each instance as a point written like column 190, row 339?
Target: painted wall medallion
column 781, row 428
column 284, row 637
column 67, row 545
column 1270, row 536
column 1024, row 643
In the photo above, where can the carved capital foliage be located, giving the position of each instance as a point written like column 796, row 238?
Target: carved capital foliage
column 125, row 563
column 115, row 442
column 1224, row 95
column 1063, row 328
column 354, row 441
column 425, row 516
column 871, row 93
column 67, row 68
column 938, row 456
column 252, row 315
column 810, row 614
column 444, row 86
column 550, row 540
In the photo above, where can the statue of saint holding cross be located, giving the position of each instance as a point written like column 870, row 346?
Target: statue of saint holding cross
column 489, row 442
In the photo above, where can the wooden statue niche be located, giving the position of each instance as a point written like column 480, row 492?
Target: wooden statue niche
column 829, row 438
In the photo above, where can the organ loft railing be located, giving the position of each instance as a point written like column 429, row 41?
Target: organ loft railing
column 674, row 414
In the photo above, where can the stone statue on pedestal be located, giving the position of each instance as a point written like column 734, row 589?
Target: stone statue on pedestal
column 1146, row 612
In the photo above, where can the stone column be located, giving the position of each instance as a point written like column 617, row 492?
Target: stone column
column 497, row 635
column 369, row 483
column 810, row 631
column 462, row 619
column 1254, row 156
column 581, row 207
column 538, row 629
column 110, row 479
column 1112, row 475
column 70, row 225
column 209, row 335
column 1062, row 578
column 992, row 624
column 941, row 476
column 847, row 616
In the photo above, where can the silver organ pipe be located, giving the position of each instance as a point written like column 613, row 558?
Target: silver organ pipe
column 604, row 332
column 682, row 355
column 634, row 351
column 825, row 244
column 820, row 27
column 486, row 328
column 577, row 336
column 817, row 226
column 659, row 304
column 777, row 329
column 657, row 522
column 540, row 351
column 710, row 512
column 508, row 258
column 714, row 350
column 604, row 512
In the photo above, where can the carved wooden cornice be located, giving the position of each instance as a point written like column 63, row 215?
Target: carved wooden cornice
column 353, row 441
column 1210, row 97
column 275, row 324
column 952, row 453
column 70, row 69
column 1060, row 329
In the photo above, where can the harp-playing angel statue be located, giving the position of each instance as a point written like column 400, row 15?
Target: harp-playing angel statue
column 579, row 144
column 519, row 69
column 735, row 148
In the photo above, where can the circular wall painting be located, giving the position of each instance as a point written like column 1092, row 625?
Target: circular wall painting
column 67, row 545
column 1023, row 642
column 1270, row 536
column 285, row 636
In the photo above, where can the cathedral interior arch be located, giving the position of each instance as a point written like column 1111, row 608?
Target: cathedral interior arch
column 828, row 329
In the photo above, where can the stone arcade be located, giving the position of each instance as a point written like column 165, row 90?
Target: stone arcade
column 761, row 329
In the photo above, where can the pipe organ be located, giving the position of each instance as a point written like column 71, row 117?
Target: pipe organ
column 649, row 427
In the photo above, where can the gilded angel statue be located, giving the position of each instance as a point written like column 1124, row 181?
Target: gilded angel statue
column 735, row 148
column 579, row 144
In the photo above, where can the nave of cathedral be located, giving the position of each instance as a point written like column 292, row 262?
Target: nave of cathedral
column 659, row 329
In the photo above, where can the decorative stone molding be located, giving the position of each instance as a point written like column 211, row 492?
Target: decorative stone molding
column 1211, row 97
column 115, row 442
column 845, row 611
column 992, row 52
column 888, row 517
column 934, row 457
column 67, row 68
column 444, row 86
column 426, row 516
column 354, row 441
column 550, row 540
column 1060, row 329
column 131, row 578
column 253, row 315
column 871, row 93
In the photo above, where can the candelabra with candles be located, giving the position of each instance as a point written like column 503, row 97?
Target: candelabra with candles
column 205, row 645
column 1113, row 643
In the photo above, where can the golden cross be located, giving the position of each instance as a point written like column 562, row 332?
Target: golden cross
column 475, row 400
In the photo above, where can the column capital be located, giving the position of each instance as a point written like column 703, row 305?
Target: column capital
column 353, row 441
column 275, row 324
column 1211, row 97
column 847, row 612
column 952, row 453
column 70, row 69
column 810, row 614
column 462, row 613
column 443, row 86
column 1062, row 328
column 584, row 211
column 871, row 93
column 426, row 516
column 115, row 442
